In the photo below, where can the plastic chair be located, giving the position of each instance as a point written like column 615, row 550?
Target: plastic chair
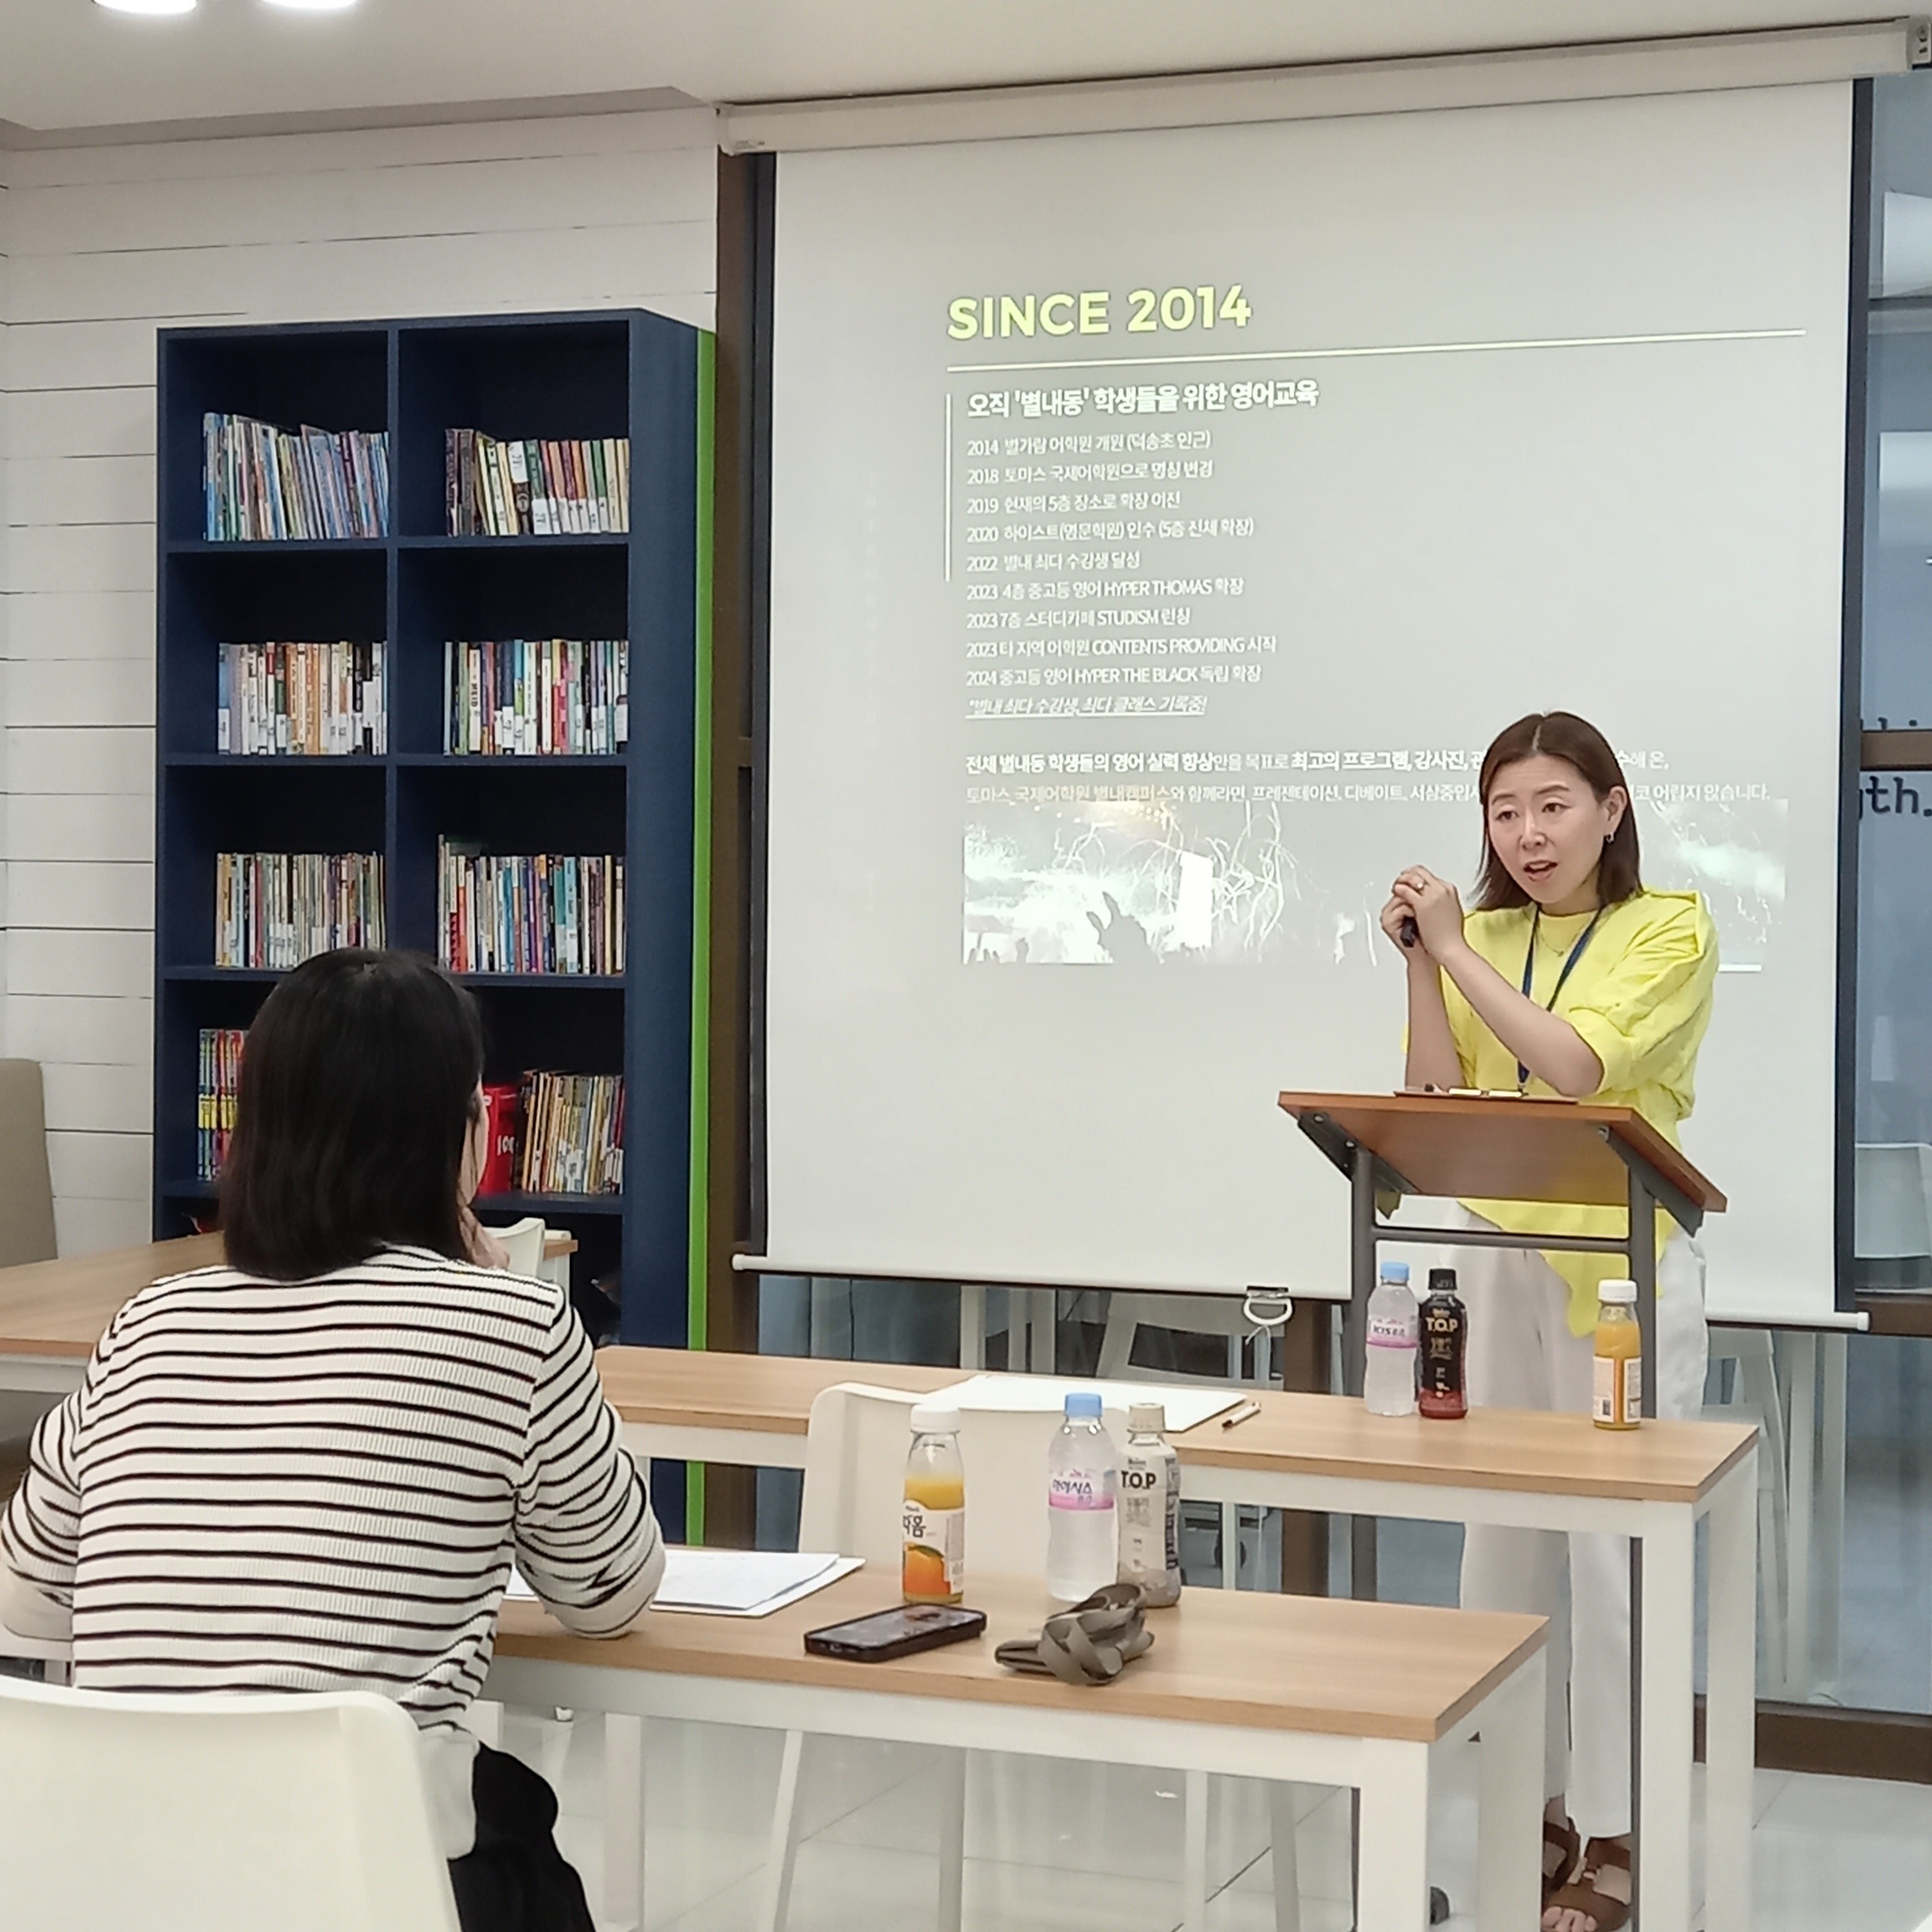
column 26, row 1189
column 854, row 1473
column 1891, row 1214
column 524, row 1242
column 215, row 1814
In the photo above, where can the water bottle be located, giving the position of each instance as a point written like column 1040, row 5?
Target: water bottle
column 1388, row 1383
column 1082, row 1475
column 1150, row 1507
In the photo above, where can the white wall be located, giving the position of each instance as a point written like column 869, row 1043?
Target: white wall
column 98, row 248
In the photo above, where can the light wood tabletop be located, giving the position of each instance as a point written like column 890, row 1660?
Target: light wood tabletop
column 1249, row 1658
column 1501, row 1147
column 1529, row 1450
column 60, row 1308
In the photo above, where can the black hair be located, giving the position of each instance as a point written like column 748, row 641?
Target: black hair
column 1561, row 734
column 358, row 1089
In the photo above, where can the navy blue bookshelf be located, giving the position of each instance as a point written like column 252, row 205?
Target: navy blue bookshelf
column 614, row 372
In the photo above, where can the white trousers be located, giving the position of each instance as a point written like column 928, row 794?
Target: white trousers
column 1522, row 1355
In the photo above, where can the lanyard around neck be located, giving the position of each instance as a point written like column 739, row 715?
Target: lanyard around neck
column 1569, row 966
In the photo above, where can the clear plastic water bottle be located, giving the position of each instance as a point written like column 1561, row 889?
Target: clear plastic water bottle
column 1395, row 1324
column 1082, row 1478
column 1149, row 1507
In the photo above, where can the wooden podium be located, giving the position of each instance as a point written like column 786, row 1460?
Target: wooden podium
column 1500, row 1148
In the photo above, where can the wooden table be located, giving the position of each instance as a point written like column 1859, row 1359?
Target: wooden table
column 1524, row 1469
column 1289, row 1689
column 1527, row 1469
column 52, row 1313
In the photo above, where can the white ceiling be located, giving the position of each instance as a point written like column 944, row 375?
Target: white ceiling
column 70, row 64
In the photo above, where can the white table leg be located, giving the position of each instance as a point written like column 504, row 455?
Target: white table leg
column 1194, row 1860
column 1801, row 1448
column 1046, row 1333
column 1509, row 1873
column 775, row 1895
column 972, row 1325
column 1730, row 1708
column 1287, row 1865
column 1392, row 1886
column 1835, row 1369
column 483, row 1721
column 1231, row 1546
column 952, row 1839
column 623, row 1823
column 1670, row 1587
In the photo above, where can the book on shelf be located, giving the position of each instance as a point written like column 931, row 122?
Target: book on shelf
column 273, row 910
column 221, row 1080
column 538, row 914
column 523, row 697
column 261, row 483
column 572, row 1141
column 546, row 487
column 309, row 700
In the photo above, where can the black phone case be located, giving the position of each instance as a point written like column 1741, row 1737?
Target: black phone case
column 828, row 1642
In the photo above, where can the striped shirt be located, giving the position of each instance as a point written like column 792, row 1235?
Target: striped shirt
column 321, row 1486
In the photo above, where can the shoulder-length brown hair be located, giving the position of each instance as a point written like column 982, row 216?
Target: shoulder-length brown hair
column 1561, row 734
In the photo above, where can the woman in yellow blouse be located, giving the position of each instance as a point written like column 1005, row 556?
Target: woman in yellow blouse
column 1568, row 978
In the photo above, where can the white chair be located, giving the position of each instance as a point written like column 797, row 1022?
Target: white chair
column 524, row 1242
column 854, row 1473
column 305, row 1812
column 1755, row 1398
column 1892, row 1212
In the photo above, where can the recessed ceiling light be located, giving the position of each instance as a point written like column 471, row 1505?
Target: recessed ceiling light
column 147, row 6
column 312, row 6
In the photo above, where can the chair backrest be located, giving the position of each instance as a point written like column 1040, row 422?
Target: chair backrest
column 524, row 1242
column 855, row 1458
column 1892, row 1214
column 26, row 1189
column 304, row 1813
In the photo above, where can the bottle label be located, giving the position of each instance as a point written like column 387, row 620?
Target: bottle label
column 1388, row 1331
column 935, row 1551
column 1081, row 1490
column 1618, row 1394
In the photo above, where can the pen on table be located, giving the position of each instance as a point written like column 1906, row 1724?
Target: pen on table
column 1241, row 1415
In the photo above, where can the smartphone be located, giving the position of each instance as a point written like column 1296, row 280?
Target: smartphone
column 875, row 1640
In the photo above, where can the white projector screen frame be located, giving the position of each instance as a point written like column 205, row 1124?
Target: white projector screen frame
column 1580, row 441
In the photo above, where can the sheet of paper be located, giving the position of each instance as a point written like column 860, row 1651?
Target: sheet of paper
column 730, row 1582
column 1046, row 1395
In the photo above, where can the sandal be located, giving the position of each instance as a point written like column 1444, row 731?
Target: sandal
column 1562, row 1839
column 1610, row 1913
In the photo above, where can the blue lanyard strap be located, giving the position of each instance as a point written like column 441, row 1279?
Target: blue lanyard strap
column 1569, row 966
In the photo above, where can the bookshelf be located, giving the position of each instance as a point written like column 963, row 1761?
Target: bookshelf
column 609, row 373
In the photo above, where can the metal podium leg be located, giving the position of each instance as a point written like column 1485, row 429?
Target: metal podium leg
column 1643, row 1272
column 1362, row 1582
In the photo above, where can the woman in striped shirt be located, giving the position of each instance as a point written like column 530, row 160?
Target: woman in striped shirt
column 311, row 1469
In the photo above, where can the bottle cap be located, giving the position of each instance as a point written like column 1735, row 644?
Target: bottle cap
column 1084, row 1403
column 1622, row 1291
column 932, row 1418
column 1442, row 1281
column 1396, row 1271
column 1147, row 1417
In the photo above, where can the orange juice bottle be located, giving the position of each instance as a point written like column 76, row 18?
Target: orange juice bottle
column 933, row 1570
column 1618, row 1398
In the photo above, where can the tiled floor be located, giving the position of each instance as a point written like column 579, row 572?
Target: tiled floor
column 1064, row 1848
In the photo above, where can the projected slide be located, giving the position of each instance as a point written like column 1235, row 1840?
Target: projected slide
column 1162, row 525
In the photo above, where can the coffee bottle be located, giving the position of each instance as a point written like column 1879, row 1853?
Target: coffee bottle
column 1442, row 1393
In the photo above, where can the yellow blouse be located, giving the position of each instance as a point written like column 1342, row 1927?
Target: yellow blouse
column 1639, row 998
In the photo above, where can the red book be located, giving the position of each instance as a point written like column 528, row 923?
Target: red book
column 499, row 1163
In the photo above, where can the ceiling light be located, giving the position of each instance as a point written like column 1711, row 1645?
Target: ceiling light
column 312, row 6
column 147, row 6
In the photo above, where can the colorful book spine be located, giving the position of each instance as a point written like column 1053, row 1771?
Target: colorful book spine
column 262, row 484
column 523, row 697
column 220, row 1081
column 573, row 1134
column 313, row 700
column 546, row 487
column 539, row 914
column 273, row 910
